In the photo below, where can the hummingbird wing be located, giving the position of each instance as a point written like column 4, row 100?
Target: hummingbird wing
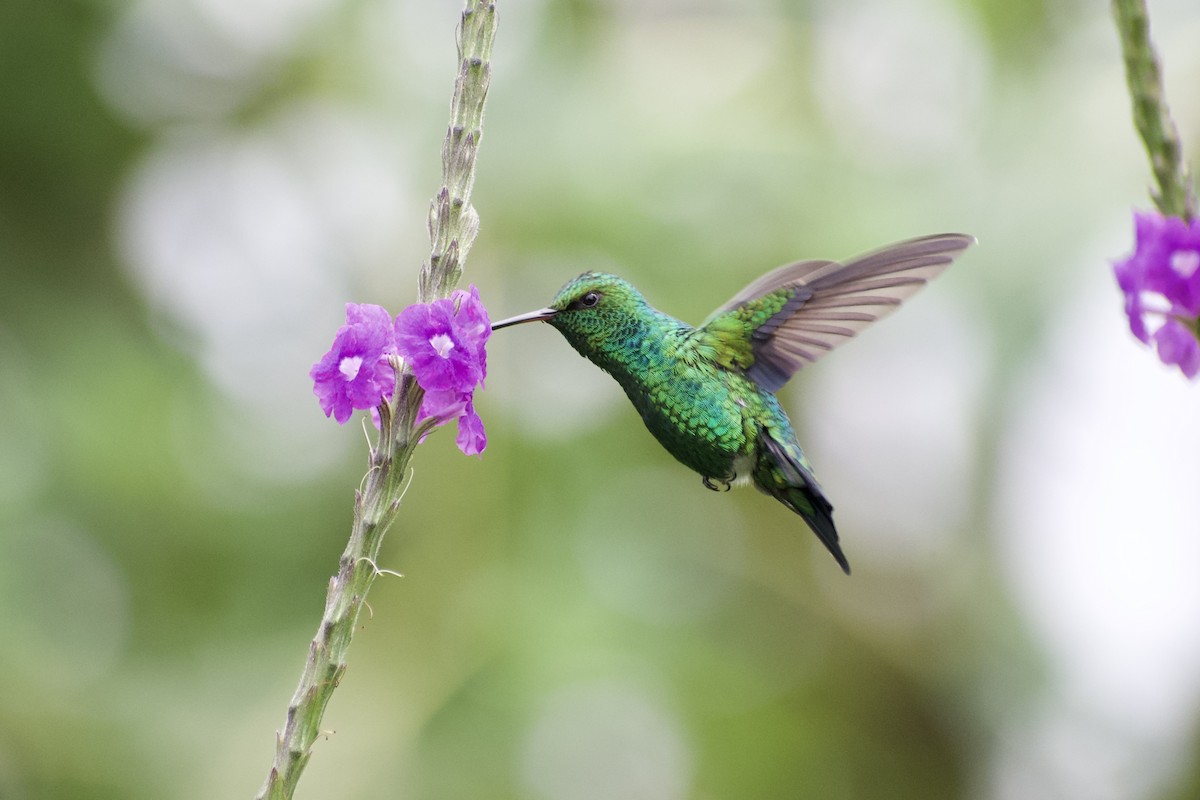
column 792, row 316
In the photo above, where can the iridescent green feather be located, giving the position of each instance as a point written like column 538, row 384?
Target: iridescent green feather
column 727, row 338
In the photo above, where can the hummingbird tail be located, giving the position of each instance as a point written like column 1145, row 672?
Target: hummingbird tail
column 818, row 513
column 786, row 477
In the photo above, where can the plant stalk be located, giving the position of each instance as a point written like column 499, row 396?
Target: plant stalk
column 1175, row 195
column 453, row 224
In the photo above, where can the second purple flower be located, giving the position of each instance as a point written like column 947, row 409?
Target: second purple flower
column 445, row 344
column 1161, row 282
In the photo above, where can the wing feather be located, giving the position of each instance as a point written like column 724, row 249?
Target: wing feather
column 828, row 302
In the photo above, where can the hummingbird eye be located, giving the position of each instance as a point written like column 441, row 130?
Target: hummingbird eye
column 590, row 299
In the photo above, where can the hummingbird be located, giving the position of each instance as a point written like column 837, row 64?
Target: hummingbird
column 707, row 393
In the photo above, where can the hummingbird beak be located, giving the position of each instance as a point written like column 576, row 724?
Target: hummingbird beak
column 540, row 315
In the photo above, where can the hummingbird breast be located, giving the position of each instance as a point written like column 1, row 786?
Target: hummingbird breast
column 703, row 414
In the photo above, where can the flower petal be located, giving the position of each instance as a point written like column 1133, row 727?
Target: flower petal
column 1177, row 345
column 444, row 404
column 471, row 439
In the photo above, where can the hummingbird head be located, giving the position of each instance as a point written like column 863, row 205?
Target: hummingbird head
column 594, row 311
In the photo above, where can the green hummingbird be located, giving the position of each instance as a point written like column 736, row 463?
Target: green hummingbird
column 708, row 393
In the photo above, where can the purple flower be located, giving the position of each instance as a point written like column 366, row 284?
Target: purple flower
column 444, row 341
column 355, row 373
column 1161, row 282
column 445, row 344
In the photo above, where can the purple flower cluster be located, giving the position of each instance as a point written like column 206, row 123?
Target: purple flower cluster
column 1161, row 282
column 444, row 344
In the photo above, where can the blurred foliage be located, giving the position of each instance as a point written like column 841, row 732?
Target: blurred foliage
column 578, row 617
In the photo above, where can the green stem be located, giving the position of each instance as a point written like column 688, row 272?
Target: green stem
column 1175, row 195
column 453, row 224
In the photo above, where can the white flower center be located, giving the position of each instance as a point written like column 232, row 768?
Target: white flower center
column 441, row 344
column 1185, row 262
column 349, row 367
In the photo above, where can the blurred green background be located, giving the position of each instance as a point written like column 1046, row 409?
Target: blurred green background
column 190, row 190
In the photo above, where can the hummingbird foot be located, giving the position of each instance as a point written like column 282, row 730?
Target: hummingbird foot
column 717, row 484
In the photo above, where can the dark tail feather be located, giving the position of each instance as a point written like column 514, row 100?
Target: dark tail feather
column 788, row 479
column 818, row 513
